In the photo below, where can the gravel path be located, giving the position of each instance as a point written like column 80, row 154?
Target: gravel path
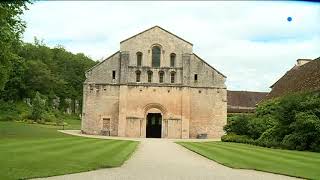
column 163, row 159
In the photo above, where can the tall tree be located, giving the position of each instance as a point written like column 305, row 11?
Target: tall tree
column 38, row 107
column 11, row 29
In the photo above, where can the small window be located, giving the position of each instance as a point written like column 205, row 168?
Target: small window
column 138, row 73
column 113, row 74
column 139, row 58
column 172, row 59
column 106, row 123
column 106, row 128
column 161, row 76
column 150, row 76
column 173, row 74
column 195, row 77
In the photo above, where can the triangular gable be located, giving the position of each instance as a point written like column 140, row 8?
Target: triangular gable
column 102, row 61
column 209, row 65
column 162, row 30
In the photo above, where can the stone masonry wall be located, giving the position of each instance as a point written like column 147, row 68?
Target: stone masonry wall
column 208, row 112
column 100, row 101
column 188, row 107
column 140, row 99
column 156, row 36
column 102, row 73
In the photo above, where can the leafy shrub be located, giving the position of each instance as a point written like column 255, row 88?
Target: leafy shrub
column 238, row 125
column 256, row 126
column 10, row 111
column 248, row 125
column 49, row 117
column 306, row 131
column 268, row 138
column 237, row 138
column 291, row 122
column 267, row 108
column 38, row 107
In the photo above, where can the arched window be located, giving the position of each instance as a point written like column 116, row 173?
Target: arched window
column 173, row 77
column 161, row 76
column 138, row 73
column 172, row 59
column 156, row 54
column 139, row 58
column 150, row 76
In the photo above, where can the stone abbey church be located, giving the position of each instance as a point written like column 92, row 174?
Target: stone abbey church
column 154, row 87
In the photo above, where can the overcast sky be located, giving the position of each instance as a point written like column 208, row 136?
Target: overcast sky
column 252, row 43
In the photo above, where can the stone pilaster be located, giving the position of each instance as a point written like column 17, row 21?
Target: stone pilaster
column 122, row 110
column 186, row 69
column 124, row 63
column 185, row 115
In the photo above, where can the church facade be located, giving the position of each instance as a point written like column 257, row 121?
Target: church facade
column 154, row 87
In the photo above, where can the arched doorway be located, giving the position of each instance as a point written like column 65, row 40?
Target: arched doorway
column 153, row 125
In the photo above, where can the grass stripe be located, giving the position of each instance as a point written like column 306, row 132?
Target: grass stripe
column 29, row 151
column 48, row 145
column 218, row 155
column 18, row 143
column 277, row 152
column 118, row 147
column 265, row 159
column 271, row 153
column 80, row 147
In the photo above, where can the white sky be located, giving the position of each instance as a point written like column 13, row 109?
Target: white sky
column 252, row 43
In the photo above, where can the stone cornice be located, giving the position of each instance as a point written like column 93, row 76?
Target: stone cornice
column 154, row 85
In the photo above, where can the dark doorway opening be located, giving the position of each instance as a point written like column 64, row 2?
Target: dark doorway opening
column 154, row 122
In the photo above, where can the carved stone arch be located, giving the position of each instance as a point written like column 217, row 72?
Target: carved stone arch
column 156, row 44
column 158, row 106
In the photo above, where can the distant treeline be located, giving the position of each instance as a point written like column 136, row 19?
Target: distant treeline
column 33, row 71
column 53, row 72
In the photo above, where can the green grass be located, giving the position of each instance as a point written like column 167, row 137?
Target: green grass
column 73, row 122
column 33, row 150
column 244, row 156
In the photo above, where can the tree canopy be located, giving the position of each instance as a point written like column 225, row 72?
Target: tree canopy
column 53, row 72
column 11, row 29
column 28, row 68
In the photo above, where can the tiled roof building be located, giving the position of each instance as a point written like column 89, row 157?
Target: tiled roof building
column 243, row 101
column 304, row 76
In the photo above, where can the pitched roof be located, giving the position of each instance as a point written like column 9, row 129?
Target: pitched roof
column 161, row 29
column 102, row 61
column 209, row 65
column 245, row 98
column 299, row 78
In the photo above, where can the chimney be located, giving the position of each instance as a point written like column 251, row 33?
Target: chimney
column 301, row 62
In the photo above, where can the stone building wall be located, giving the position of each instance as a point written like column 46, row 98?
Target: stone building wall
column 208, row 112
column 207, row 76
column 138, row 101
column 100, row 102
column 144, row 42
column 155, row 77
column 188, row 107
column 102, row 72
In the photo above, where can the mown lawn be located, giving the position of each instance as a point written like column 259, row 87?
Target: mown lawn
column 235, row 155
column 31, row 150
